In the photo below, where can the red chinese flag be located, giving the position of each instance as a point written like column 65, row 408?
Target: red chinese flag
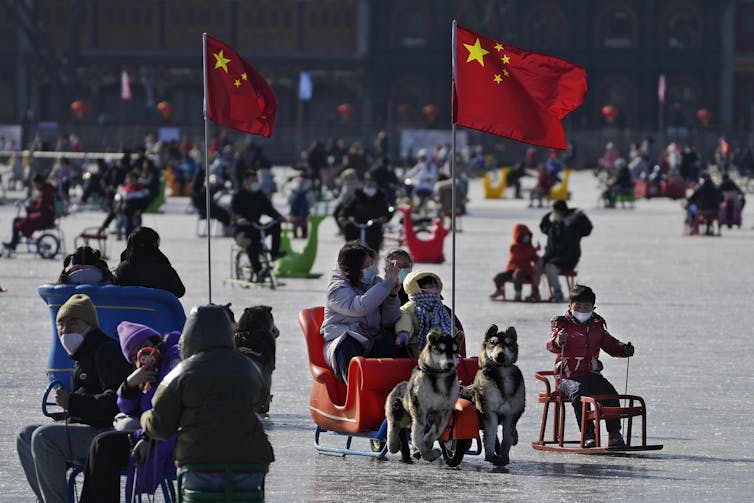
column 514, row 93
column 237, row 97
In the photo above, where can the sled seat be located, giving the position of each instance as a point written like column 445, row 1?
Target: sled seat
column 227, row 493
column 593, row 410
column 551, row 396
column 93, row 237
column 570, row 279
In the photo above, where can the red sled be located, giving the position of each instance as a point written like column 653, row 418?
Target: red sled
column 428, row 251
column 357, row 409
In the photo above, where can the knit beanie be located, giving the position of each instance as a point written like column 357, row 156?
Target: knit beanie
column 79, row 306
column 133, row 335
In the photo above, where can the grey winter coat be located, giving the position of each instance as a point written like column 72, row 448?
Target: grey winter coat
column 361, row 312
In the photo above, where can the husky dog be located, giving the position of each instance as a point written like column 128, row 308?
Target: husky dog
column 498, row 392
column 255, row 336
column 426, row 401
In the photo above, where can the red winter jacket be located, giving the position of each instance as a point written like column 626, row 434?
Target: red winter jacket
column 583, row 344
column 523, row 255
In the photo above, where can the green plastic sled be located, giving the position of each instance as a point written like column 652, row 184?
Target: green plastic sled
column 295, row 264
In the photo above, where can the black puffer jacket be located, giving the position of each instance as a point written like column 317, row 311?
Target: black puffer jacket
column 99, row 370
column 211, row 397
column 150, row 268
column 564, row 238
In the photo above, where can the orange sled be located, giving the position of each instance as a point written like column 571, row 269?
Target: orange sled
column 357, row 410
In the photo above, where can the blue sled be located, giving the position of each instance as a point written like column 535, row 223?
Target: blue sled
column 158, row 309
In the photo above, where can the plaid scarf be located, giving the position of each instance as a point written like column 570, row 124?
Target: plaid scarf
column 431, row 313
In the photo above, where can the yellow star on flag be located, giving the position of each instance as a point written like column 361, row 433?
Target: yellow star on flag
column 498, row 47
column 221, row 61
column 498, row 78
column 476, row 52
column 506, row 72
column 237, row 83
column 244, row 76
column 506, row 59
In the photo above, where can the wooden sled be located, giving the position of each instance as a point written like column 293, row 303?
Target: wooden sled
column 592, row 410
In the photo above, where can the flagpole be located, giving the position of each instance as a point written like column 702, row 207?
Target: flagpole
column 453, row 191
column 206, row 172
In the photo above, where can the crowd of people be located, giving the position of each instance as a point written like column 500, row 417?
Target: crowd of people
column 120, row 408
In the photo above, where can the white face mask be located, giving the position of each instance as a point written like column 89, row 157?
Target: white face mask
column 370, row 191
column 402, row 273
column 582, row 317
column 71, row 342
column 256, row 186
column 525, row 239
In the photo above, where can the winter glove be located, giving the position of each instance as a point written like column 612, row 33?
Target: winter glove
column 628, row 349
column 401, row 339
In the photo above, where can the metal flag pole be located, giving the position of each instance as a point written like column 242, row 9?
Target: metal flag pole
column 206, row 172
column 453, row 191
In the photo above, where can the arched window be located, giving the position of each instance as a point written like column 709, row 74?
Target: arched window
column 681, row 27
column 620, row 93
column 411, row 27
column 682, row 101
column 617, row 27
column 546, row 28
column 495, row 19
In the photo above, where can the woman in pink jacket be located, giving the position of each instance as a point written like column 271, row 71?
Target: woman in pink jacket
column 577, row 337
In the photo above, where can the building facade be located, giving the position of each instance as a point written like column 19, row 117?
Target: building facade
column 387, row 60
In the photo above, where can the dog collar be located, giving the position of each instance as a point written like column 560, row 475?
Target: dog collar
column 428, row 370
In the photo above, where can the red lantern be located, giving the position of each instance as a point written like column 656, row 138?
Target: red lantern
column 430, row 112
column 703, row 116
column 165, row 108
column 610, row 113
column 345, row 110
column 78, row 107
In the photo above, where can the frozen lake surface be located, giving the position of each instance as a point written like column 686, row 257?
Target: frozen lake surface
column 684, row 302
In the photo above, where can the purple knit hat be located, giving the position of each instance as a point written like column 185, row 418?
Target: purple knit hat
column 133, row 335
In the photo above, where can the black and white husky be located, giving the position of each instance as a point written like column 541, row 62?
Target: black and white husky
column 425, row 402
column 498, row 392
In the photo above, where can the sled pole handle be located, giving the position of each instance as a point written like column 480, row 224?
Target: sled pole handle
column 562, row 352
column 625, row 392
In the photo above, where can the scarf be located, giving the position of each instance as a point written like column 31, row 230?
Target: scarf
column 431, row 313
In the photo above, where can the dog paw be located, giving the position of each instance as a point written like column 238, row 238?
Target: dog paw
column 432, row 455
column 394, row 446
column 501, row 461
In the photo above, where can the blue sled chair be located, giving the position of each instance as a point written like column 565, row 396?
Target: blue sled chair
column 156, row 308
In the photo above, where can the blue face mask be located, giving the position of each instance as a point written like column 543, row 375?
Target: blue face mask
column 402, row 273
column 368, row 274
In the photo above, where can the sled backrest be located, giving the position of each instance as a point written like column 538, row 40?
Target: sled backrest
column 153, row 307
column 310, row 320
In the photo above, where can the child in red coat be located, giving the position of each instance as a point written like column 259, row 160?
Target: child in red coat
column 521, row 266
column 577, row 338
